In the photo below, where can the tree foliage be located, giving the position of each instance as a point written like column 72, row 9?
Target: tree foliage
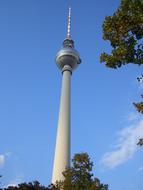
column 35, row 185
column 139, row 106
column 77, row 177
column 80, row 176
column 124, row 30
column 140, row 142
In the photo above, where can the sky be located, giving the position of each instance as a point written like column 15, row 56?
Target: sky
column 103, row 120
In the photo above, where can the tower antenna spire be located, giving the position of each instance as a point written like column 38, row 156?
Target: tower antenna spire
column 69, row 24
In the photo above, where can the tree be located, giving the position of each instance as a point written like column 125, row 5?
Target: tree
column 139, row 106
column 140, row 143
column 79, row 176
column 31, row 186
column 124, row 30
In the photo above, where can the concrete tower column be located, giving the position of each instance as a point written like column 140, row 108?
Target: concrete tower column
column 62, row 150
column 67, row 60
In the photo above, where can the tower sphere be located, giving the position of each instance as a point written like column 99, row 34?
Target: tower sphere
column 68, row 55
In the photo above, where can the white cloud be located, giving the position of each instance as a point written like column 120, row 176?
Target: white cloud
column 2, row 160
column 125, row 146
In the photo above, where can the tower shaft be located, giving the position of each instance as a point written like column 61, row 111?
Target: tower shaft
column 62, row 150
column 67, row 59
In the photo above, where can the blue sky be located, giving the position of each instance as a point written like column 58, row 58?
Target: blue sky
column 104, row 122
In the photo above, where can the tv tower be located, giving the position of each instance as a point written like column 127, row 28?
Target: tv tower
column 67, row 59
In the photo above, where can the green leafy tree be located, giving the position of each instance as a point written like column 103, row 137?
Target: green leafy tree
column 31, row 186
column 77, row 177
column 80, row 176
column 140, row 142
column 139, row 106
column 124, row 30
